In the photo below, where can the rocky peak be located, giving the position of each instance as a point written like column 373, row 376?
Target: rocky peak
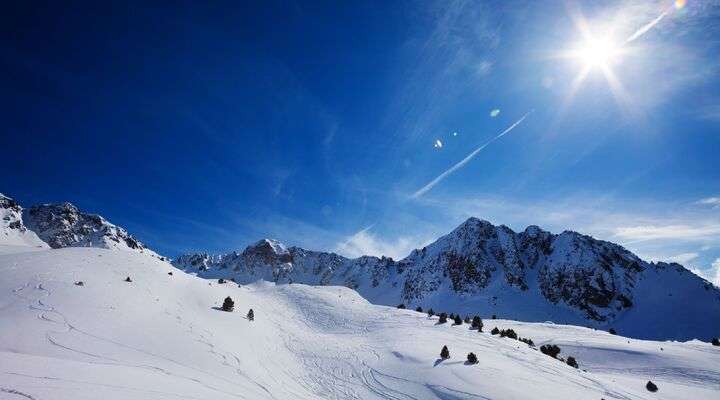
column 270, row 251
column 64, row 225
column 11, row 216
column 10, row 212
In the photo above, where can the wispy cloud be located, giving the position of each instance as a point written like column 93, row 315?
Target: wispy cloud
column 683, row 258
column 711, row 274
column 714, row 202
column 655, row 232
column 467, row 159
column 364, row 242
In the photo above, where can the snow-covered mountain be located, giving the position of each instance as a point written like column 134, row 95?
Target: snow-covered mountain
column 13, row 232
column 63, row 225
column 72, row 327
column 480, row 268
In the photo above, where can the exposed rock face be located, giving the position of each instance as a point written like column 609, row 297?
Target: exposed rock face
column 63, row 225
column 13, row 231
column 11, row 214
column 478, row 267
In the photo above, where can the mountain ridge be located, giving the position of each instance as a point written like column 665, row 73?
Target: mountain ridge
column 532, row 275
column 477, row 268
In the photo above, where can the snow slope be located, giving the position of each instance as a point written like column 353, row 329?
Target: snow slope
column 161, row 336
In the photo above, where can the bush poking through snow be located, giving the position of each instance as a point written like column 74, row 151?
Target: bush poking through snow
column 431, row 313
column 128, row 279
column 508, row 333
column 444, row 353
column 612, row 331
column 527, row 341
column 467, row 319
column 419, row 309
column 551, row 350
column 494, row 316
column 443, row 318
column 572, row 362
column 251, row 315
column 228, row 304
column 495, row 331
column 401, row 306
column 651, row 386
column 221, row 281
column 477, row 323
column 716, row 342
column 472, row 358
column 79, row 283
column 458, row 320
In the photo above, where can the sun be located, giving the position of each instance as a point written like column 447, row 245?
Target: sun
column 597, row 53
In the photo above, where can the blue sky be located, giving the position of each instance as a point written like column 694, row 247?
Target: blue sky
column 209, row 126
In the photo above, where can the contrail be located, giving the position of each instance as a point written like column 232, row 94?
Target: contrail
column 467, row 159
column 646, row 28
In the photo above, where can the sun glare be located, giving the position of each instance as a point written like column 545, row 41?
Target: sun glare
column 597, row 53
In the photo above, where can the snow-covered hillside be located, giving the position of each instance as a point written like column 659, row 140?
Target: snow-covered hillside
column 161, row 336
column 532, row 275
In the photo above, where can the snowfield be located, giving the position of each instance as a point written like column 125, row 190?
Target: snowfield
column 163, row 336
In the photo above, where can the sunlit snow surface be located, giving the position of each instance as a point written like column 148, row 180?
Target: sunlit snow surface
column 161, row 337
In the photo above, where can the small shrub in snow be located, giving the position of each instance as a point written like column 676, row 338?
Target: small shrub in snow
column 716, row 342
column 508, row 333
column 477, row 323
column 651, row 386
column 228, row 304
column 251, row 315
column 221, row 281
column 494, row 316
column 527, row 341
column 572, row 362
column 401, row 306
column 431, row 313
column 550, row 349
column 495, row 331
column 128, row 279
column 444, row 353
column 472, row 358
column 443, row 318
column 467, row 319
column 419, row 309
column 458, row 320
column 170, row 273
column 612, row 331
column 79, row 283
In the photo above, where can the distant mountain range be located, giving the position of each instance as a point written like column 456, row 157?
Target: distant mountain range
column 478, row 268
